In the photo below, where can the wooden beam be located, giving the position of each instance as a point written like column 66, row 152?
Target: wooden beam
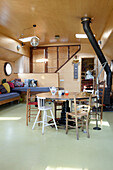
column 11, row 45
column 31, row 60
column 68, row 52
column 79, row 47
column 46, row 56
column 57, row 57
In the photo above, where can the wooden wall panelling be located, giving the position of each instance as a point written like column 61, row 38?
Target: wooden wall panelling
column 63, row 55
column 52, row 59
column 8, row 55
column 72, row 50
column 11, row 45
column 2, row 74
column 39, row 67
column 44, row 79
column 66, row 77
column 75, row 52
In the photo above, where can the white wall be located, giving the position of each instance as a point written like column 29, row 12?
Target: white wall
column 22, row 65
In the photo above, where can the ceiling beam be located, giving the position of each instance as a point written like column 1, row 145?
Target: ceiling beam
column 11, row 45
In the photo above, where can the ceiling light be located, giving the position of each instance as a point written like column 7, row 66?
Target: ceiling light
column 57, row 36
column 81, row 36
column 34, row 41
column 27, row 39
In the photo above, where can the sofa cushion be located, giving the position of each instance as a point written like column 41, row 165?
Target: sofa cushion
column 11, row 84
column 8, row 96
column 2, row 89
column 3, row 81
column 33, row 83
column 7, row 87
column 19, row 84
column 17, row 80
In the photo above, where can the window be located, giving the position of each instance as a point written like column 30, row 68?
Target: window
column 7, row 69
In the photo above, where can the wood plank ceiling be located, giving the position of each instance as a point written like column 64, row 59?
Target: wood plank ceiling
column 61, row 17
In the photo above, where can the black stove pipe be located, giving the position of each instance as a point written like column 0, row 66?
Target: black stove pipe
column 86, row 22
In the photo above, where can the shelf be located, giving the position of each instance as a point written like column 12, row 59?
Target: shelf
column 87, row 64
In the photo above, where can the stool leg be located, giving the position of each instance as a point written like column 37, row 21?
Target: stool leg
column 36, row 119
column 26, row 115
column 45, row 119
column 29, row 112
column 76, row 120
column 44, row 115
column 87, row 127
column 66, row 123
column 53, row 119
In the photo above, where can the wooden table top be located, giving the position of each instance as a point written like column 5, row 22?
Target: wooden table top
column 70, row 96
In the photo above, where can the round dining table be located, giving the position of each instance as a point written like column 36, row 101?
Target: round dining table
column 66, row 98
column 70, row 96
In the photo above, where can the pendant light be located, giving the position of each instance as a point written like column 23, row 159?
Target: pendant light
column 35, row 40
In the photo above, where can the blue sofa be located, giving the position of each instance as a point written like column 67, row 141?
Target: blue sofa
column 32, row 89
column 9, row 97
column 15, row 93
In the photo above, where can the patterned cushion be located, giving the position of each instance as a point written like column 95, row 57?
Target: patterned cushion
column 19, row 84
column 29, row 82
column 11, row 84
column 7, row 87
column 33, row 83
column 17, row 80
column 2, row 89
column 12, row 81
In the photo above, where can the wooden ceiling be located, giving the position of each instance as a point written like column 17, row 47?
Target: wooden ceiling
column 53, row 17
column 8, row 55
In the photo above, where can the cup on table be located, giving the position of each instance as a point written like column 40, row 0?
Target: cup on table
column 62, row 92
column 59, row 93
column 66, row 92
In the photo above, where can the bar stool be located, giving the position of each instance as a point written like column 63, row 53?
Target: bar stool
column 44, row 109
column 31, row 106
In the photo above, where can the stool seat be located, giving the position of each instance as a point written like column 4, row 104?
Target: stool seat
column 32, row 103
column 45, row 108
column 31, row 109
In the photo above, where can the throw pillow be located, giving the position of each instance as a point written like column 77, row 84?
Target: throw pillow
column 3, row 81
column 11, row 84
column 25, row 82
column 2, row 89
column 19, row 84
column 18, row 80
column 33, row 83
column 7, row 87
column 12, row 81
column 29, row 82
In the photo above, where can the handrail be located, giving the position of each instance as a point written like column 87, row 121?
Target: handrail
column 69, row 59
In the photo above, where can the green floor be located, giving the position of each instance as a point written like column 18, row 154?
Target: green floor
column 22, row 148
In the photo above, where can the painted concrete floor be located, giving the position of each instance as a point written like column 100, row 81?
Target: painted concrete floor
column 22, row 148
